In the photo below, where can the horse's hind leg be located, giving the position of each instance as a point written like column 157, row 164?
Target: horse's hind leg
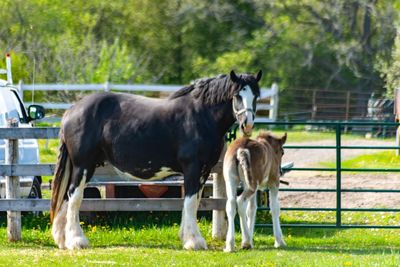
column 74, row 237
column 275, row 210
column 58, row 229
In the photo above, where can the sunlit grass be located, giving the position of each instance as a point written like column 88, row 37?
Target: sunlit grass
column 381, row 160
column 151, row 239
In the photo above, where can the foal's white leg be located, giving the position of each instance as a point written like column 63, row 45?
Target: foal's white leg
column 275, row 210
column 251, row 214
column 231, row 191
column 242, row 203
column 58, row 229
column 74, row 237
column 191, row 236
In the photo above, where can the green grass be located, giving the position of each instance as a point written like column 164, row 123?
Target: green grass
column 302, row 136
column 383, row 159
column 140, row 239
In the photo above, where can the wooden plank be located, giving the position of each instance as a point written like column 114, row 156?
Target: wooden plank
column 127, row 204
column 48, row 169
column 29, row 133
column 27, row 169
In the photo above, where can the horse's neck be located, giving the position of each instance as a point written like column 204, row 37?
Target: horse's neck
column 223, row 117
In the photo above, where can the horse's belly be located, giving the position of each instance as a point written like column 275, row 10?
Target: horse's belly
column 146, row 174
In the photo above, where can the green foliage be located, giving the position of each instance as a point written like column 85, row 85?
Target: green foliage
column 302, row 44
column 392, row 71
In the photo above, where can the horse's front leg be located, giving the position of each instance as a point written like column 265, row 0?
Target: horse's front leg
column 275, row 210
column 189, row 232
column 74, row 236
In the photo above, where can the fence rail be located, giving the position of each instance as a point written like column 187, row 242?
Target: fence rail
column 268, row 101
column 216, row 204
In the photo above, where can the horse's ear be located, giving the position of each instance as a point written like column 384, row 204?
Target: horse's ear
column 259, row 75
column 234, row 78
column 283, row 138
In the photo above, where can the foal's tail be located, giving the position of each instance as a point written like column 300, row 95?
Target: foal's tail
column 243, row 156
column 61, row 180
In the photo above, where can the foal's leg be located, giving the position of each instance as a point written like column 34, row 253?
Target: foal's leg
column 243, row 202
column 251, row 214
column 275, row 210
column 231, row 192
column 74, row 237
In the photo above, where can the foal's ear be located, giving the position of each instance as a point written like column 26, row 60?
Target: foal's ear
column 233, row 76
column 283, row 138
column 259, row 75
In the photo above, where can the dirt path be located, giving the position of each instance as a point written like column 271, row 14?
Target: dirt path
column 308, row 179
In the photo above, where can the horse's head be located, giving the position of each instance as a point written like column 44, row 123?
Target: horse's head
column 276, row 144
column 244, row 100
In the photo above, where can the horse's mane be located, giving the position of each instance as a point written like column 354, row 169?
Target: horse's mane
column 212, row 90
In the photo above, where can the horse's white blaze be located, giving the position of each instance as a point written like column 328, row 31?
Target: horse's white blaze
column 190, row 233
column 275, row 210
column 74, row 237
column 58, row 229
column 247, row 99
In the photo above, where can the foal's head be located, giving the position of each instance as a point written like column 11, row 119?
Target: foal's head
column 276, row 144
column 244, row 100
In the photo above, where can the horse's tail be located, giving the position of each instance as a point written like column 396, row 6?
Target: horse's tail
column 61, row 181
column 243, row 156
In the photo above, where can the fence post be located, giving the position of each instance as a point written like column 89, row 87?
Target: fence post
column 12, row 187
column 314, row 105
column 21, row 89
column 219, row 224
column 338, row 175
column 107, row 86
column 273, row 113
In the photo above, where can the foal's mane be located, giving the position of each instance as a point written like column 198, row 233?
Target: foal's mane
column 213, row 90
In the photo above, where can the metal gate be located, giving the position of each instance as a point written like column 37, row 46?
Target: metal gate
column 338, row 128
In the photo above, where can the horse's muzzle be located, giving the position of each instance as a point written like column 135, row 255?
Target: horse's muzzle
column 247, row 129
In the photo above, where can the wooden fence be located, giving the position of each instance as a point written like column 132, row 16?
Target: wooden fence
column 267, row 107
column 14, row 205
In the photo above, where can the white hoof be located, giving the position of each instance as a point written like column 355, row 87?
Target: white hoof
column 229, row 249
column 195, row 244
column 77, row 242
column 280, row 244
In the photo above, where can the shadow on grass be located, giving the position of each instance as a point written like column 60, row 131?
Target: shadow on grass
column 319, row 249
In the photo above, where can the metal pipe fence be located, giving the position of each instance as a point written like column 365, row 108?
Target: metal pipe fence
column 338, row 148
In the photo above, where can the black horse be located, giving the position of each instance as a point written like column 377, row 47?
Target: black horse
column 141, row 136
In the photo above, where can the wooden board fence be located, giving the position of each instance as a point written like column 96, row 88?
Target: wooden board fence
column 14, row 205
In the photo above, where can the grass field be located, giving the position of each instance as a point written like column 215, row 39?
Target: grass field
column 152, row 240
